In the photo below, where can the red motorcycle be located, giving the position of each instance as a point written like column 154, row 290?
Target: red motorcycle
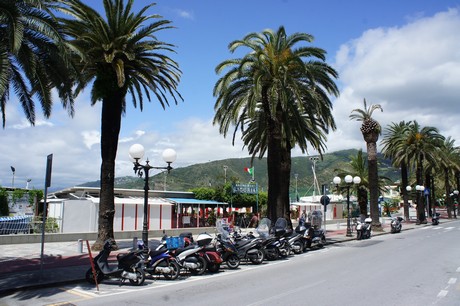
column 209, row 252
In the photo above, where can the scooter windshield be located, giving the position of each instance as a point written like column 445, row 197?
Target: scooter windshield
column 223, row 228
column 263, row 229
column 281, row 223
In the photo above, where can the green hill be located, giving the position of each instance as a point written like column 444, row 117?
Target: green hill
column 213, row 173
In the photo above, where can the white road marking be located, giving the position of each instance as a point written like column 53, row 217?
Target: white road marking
column 442, row 293
column 458, row 270
column 452, row 281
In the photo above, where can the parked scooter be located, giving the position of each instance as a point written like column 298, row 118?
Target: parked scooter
column 225, row 247
column 396, row 225
column 435, row 219
column 160, row 262
column 188, row 257
column 249, row 247
column 296, row 241
column 315, row 236
column 209, row 253
column 363, row 230
column 130, row 266
column 302, row 231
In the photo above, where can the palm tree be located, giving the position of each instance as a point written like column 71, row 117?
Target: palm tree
column 358, row 167
column 122, row 55
column 371, row 130
column 278, row 96
column 32, row 58
column 449, row 165
column 422, row 146
column 394, row 147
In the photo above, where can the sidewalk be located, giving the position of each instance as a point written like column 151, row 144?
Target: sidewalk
column 64, row 263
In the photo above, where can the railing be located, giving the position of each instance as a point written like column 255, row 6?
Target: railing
column 27, row 225
column 15, row 225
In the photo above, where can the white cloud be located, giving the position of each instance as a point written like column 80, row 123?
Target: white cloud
column 412, row 71
column 185, row 14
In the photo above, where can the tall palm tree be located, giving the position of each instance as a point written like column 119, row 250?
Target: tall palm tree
column 449, row 165
column 278, row 96
column 371, row 131
column 122, row 55
column 422, row 147
column 32, row 58
column 394, row 147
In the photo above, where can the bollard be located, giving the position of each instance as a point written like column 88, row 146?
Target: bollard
column 80, row 246
column 338, row 225
column 134, row 243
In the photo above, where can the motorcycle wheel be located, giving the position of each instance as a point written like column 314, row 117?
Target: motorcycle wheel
column 213, row 268
column 140, row 278
column 90, row 277
column 233, row 261
column 323, row 242
column 285, row 254
column 298, row 247
column 201, row 266
column 273, row 255
column 259, row 259
column 175, row 271
column 359, row 235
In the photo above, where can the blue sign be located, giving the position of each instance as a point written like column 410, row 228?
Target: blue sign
column 245, row 188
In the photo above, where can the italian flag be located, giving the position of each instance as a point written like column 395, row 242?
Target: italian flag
column 249, row 170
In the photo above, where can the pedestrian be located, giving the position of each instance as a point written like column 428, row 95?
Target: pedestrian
column 254, row 221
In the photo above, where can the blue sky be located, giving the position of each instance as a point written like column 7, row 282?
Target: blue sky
column 403, row 55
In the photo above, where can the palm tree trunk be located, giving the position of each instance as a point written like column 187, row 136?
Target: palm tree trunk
column 110, row 130
column 285, row 183
column 421, row 218
column 274, row 201
column 373, row 184
column 404, row 183
column 448, row 191
column 362, row 201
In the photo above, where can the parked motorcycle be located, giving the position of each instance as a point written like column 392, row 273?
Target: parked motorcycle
column 249, row 247
column 363, row 229
column 130, row 266
column 435, row 219
column 302, row 231
column 160, row 262
column 225, row 247
column 282, row 232
column 275, row 245
column 209, row 253
column 396, row 225
column 296, row 242
column 315, row 236
column 188, row 257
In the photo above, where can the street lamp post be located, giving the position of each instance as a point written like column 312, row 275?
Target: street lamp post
column 225, row 174
column 455, row 194
column 349, row 180
column 296, row 193
column 136, row 152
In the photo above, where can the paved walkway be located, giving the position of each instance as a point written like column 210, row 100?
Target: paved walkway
column 66, row 262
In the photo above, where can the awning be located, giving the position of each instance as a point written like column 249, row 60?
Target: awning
column 135, row 200
column 184, row 201
column 306, row 204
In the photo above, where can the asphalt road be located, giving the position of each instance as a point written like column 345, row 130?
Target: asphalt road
column 416, row 267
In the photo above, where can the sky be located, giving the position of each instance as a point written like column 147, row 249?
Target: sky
column 403, row 55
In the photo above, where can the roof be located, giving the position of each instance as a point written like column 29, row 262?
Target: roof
column 195, row 201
